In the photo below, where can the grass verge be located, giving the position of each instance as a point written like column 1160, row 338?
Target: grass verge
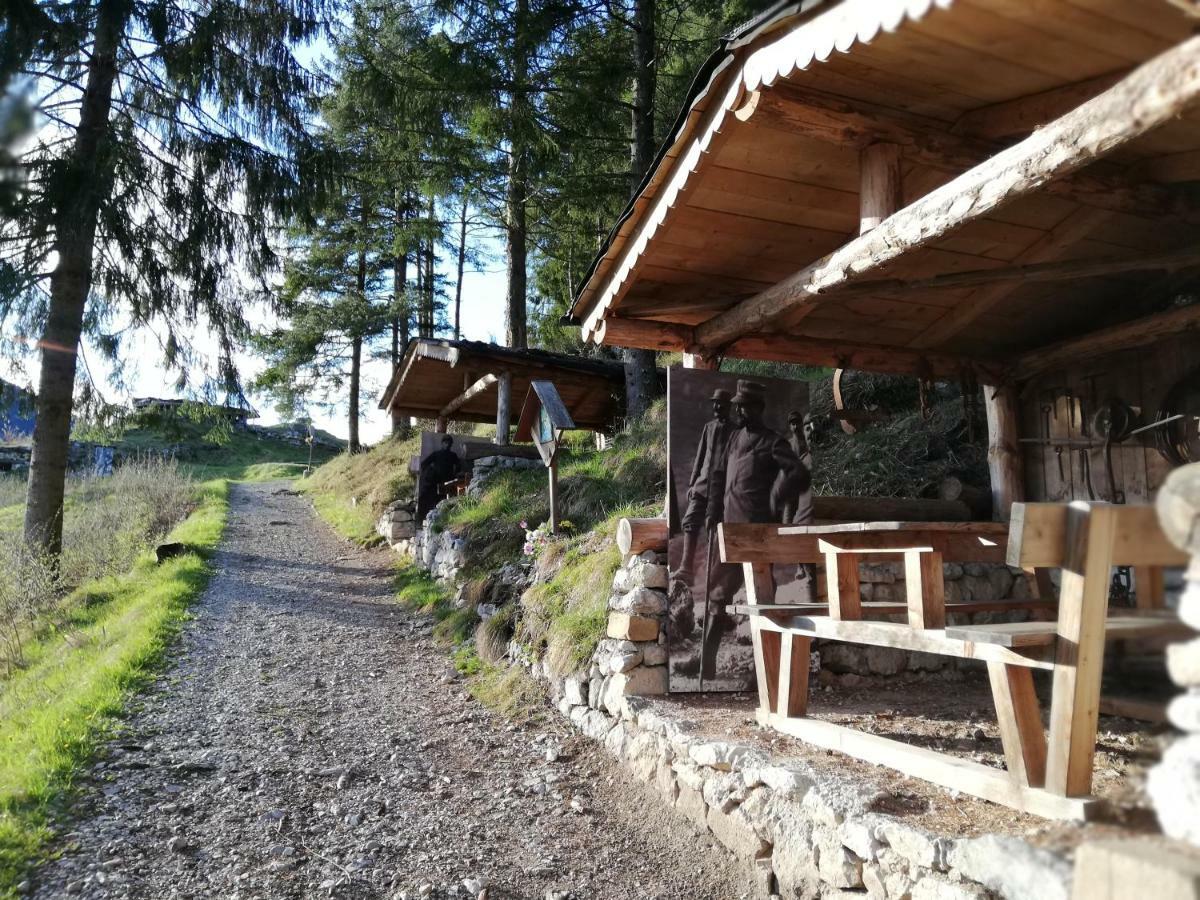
column 55, row 711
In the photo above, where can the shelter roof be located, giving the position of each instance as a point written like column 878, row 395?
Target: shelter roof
column 761, row 179
column 435, row 373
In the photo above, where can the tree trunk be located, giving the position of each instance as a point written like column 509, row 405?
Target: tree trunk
column 88, row 179
column 355, row 374
column 429, row 302
column 462, row 258
column 399, row 286
column 641, row 377
column 517, row 193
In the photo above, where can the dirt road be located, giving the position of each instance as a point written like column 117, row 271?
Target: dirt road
column 311, row 740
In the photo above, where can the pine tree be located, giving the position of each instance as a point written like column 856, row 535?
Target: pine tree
column 175, row 137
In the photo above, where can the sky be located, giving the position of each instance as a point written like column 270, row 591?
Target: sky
column 146, row 376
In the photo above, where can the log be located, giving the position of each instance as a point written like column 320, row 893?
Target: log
column 642, row 334
column 977, row 499
column 880, row 193
column 503, row 407
column 466, row 396
column 1005, row 465
column 1153, row 94
column 1136, row 333
column 639, row 535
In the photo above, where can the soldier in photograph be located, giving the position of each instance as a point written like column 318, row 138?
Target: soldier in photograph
column 436, row 469
column 713, row 439
column 759, row 469
column 799, row 510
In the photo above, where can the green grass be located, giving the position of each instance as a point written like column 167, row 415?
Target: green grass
column 55, row 711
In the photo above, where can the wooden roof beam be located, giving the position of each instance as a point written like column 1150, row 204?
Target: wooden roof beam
column 928, row 142
column 650, row 335
column 1125, row 336
column 1149, row 96
column 468, row 395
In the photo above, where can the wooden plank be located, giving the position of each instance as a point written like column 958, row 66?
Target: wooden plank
column 1151, row 95
column 845, row 593
column 950, row 772
column 1044, row 634
column 1019, row 717
column 901, row 637
column 1038, row 536
column 1134, row 708
column 1079, row 654
column 1022, row 115
column 924, row 589
column 876, row 608
column 792, row 695
column 927, row 142
column 787, row 544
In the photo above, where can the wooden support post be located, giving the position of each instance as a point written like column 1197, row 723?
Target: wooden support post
column 1004, row 455
column 880, row 193
column 845, row 595
column 553, row 468
column 440, row 425
column 792, row 695
column 1149, row 587
column 1079, row 654
column 925, row 589
column 1020, row 719
column 766, row 663
column 503, row 407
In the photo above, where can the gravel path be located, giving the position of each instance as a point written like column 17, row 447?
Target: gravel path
column 312, row 741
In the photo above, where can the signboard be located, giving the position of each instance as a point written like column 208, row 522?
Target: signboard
column 544, row 418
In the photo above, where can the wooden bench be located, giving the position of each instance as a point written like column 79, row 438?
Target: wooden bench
column 1050, row 778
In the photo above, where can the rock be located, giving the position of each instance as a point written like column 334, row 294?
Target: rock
column 624, row 626
column 638, row 682
column 725, row 756
column 933, row 888
column 1183, row 662
column 654, row 655
column 690, row 802
column 642, row 602
column 1184, row 711
column 176, row 845
column 474, row 885
column 624, row 662
column 1174, row 787
column 1011, row 868
column 737, row 833
column 575, row 691
column 790, row 779
column 916, row 845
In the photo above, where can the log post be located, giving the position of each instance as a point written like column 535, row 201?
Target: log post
column 503, row 407
column 1004, row 456
column 696, row 361
column 440, row 425
column 880, row 192
column 636, row 535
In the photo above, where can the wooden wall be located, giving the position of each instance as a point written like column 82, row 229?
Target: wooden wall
column 1065, row 403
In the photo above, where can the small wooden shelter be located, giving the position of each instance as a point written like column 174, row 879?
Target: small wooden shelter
column 990, row 189
column 1001, row 192
column 471, row 381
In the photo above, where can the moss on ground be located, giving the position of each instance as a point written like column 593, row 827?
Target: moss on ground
column 57, row 709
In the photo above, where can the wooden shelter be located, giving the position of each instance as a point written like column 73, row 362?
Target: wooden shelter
column 471, row 381
column 991, row 189
column 1002, row 192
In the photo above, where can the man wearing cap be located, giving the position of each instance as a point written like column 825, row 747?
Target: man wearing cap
column 759, row 466
column 713, row 439
column 436, row 469
column 799, row 508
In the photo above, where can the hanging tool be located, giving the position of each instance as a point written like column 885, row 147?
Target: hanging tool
column 1086, row 465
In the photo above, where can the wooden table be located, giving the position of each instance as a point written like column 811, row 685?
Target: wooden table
column 1049, row 777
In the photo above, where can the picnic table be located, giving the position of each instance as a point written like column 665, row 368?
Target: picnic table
column 1049, row 776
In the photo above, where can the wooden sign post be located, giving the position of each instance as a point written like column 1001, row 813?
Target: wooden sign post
column 543, row 420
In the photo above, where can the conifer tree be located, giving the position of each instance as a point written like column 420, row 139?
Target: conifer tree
column 172, row 135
